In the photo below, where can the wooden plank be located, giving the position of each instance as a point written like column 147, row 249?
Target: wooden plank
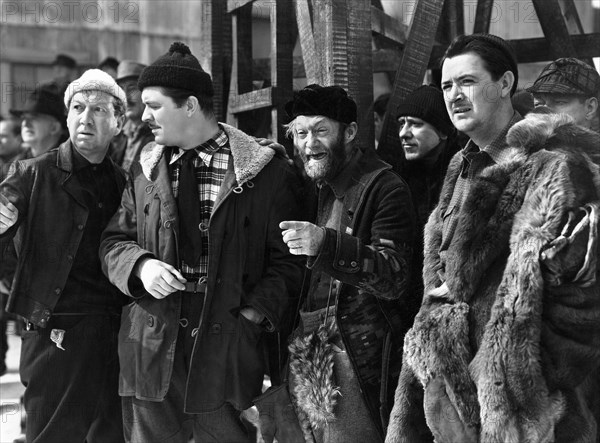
column 387, row 26
column 483, row 15
column 537, row 49
column 220, row 27
column 314, row 69
column 282, row 68
column 574, row 23
column 554, row 27
column 527, row 50
column 233, row 5
column 410, row 74
column 360, row 66
column 260, row 98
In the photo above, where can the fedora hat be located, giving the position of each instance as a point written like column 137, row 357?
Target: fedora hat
column 129, row 69
column 43, row 101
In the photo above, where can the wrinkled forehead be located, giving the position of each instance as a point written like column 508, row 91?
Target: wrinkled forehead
column 93, row 97
column 312, row 121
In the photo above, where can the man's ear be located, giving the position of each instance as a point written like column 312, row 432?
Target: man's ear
column 591, row 108
column 120, row 123
column 507, row 81
column 191, row 105
column 350, row 132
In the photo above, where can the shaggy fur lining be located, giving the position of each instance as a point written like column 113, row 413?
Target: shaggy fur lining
column 249, row 158
column 311, row 366
column 438, row 347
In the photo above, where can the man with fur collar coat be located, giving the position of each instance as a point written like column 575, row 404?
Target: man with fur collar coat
column 345, row 361
column 196, row 245
column 508, row 334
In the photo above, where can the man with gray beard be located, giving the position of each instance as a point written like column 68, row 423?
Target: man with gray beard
column 360, row 250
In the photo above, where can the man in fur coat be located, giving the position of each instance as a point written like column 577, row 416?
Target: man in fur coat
column 508, row 334
column 346, row 358
column 196, row 245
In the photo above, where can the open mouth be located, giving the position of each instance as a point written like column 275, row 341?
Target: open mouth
column 317, row 157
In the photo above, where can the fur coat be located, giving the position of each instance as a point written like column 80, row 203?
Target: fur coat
column 510, row 341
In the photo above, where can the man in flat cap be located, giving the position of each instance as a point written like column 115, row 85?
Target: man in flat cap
column 197, row 248
column 43, row 121
column 136, row 132
column 359, row 249
column 570, row 86
column 57, row 204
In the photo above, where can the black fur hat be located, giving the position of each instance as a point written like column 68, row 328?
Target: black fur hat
column 329, row 101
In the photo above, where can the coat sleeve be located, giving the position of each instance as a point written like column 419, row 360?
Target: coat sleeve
column 282, row 276
column 119, row 249
column 382, row 265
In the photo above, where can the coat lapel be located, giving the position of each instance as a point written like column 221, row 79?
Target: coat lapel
column 71, row 183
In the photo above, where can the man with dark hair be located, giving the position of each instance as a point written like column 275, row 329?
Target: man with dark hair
column 110, row 65
column 360, row 250
column 56, row 206
column 196, row 244
column 506, row 339
column 570, row 86
column 428, row 141
column 379, row 108
column 136, row 132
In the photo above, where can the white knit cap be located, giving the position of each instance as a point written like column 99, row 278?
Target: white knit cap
column 94, row 80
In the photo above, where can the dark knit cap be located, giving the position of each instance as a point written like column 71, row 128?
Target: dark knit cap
column 178, row 69
column 427, row 103
column 567, row 76
column 329, row 101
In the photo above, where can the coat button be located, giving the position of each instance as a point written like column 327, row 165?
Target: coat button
column 168, row 224
column 203, row 227
column 80, row 227
column 149, row 189
column 341, row 263
column 150, row 321
column 353, row 264
column 100, row 205
column 57, row 291
column 70, row 257
column 215, row 328
column 218, row 280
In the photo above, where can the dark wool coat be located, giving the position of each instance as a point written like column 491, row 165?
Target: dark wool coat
column 52, row 216
column 514, row 342
column 249, row 265
column 371, row 255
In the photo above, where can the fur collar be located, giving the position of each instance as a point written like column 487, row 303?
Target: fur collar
column 249, row 158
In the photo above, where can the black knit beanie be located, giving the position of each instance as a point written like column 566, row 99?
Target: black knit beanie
column 179, row 69
column 427, row 103
column 328, row 101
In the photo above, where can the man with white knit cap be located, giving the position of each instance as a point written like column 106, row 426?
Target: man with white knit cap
column 59, row 203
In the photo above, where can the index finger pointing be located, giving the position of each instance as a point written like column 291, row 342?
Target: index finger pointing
column 292, row 224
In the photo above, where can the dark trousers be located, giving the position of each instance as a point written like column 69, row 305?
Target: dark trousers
column 165, row 421
column 71, row 395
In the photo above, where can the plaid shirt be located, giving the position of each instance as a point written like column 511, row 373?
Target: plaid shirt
column 210, row 166
column 475, row 160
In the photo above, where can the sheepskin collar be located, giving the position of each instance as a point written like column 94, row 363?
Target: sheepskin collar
column 249, row 158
